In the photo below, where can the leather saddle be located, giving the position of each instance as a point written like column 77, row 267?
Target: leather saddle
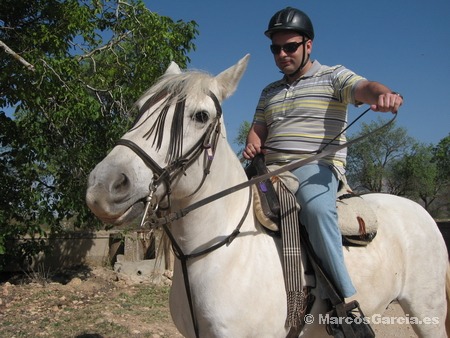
column 357, row 221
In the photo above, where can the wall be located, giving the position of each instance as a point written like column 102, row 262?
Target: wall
column 101, row 248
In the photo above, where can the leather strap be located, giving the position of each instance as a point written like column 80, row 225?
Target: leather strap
column 173, row 216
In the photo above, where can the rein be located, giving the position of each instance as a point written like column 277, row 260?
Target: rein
column 173, row 216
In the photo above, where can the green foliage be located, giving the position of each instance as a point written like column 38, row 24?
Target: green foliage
column 415, row 175
column 422, row 174
column 241, row 138
column 17, row 198
column 393, row 162
column 370, row 159
column 90, row 61
column 441, row 155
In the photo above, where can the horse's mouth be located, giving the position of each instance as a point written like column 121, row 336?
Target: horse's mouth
column 133, row 212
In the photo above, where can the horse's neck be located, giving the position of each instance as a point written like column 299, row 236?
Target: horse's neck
column 210, row 223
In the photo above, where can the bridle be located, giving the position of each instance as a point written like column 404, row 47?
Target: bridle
column 208, row 144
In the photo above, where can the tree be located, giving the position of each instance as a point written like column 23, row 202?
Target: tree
column 241, row 138
column 72, row 69
column 393, row 162
column 369, row 160
column 415, row 175
column 16, row 199
column 423, row 175
column 441, row 156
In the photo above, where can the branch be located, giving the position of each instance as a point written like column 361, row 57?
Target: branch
column 17, row 56
column 57, row 75
column 110, row 44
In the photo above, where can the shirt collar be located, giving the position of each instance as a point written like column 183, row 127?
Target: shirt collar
column 313, row 70
column 310, row 73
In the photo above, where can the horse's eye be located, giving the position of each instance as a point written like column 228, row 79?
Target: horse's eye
column 201, row 116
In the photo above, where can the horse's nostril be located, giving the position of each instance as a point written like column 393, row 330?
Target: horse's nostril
column 121, row 183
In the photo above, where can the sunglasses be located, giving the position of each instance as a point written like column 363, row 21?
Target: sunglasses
column 289, row 47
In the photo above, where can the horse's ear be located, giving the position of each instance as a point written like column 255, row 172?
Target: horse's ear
column 228, row 80
column 173, row 69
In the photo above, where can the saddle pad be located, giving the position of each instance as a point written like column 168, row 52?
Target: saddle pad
column 357, row 220
column 356, row 217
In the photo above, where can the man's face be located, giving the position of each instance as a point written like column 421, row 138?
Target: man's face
column 290, row 56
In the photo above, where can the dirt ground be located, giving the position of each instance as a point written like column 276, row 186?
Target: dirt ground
column 99, row 303
column 84, row 303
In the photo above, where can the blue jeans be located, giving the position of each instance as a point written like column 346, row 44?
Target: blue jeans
column 317, row 197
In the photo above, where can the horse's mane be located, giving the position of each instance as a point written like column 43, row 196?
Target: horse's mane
column 169, row 90
column 190, row 83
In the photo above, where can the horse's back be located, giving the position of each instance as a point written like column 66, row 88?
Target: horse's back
column 402, row 216
column 408, row 237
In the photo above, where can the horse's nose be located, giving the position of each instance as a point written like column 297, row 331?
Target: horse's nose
column 108, row 190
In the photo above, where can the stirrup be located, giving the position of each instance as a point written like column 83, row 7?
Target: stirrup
column 350, row 322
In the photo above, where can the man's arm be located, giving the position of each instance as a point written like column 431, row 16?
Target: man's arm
column 255, row 140
column 380, row 97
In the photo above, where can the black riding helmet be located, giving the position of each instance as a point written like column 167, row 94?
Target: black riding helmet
column 290, row 19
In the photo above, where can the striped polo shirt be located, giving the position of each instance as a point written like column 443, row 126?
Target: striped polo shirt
column 307, row 114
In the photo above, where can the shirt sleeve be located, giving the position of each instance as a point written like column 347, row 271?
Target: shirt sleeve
column 345, row 81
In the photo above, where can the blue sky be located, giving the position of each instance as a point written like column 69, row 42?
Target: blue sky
column 402, row 44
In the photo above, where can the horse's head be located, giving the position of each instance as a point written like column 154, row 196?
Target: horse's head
column 170, row 144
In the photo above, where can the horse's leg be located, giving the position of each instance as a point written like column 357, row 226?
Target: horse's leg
column 425, row 302
column 414, row 266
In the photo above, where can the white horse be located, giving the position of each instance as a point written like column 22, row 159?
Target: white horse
column 178, row 154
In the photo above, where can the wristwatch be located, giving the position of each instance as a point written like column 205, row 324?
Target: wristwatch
column 398, row 94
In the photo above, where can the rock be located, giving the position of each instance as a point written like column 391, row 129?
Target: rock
column 75, row 282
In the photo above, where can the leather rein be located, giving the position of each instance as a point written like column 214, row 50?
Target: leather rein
column 173, row 216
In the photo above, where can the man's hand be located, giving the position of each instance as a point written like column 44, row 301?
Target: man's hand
column 388, row 102
column 251, row 150
column 255, row 139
